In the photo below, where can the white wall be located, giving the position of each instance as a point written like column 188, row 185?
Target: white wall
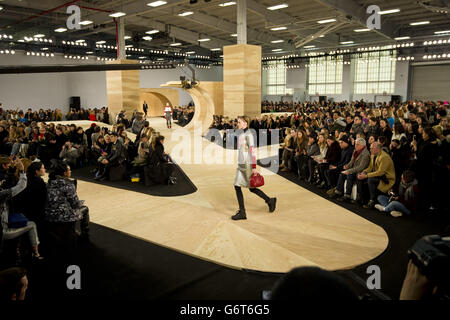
column 53, row 90
column 402, row 79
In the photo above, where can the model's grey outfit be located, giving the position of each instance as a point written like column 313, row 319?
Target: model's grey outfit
column 244, row 169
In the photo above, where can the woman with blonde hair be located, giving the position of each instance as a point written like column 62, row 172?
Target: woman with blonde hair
column 247, row 167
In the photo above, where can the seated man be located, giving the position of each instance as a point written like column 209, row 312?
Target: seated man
column 331, row 174
column 359, row 161
column 69, row 154
column 159, row 166
column 380, row 174
column 115, row 158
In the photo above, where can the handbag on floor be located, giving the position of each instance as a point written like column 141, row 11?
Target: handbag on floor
column 256, row 180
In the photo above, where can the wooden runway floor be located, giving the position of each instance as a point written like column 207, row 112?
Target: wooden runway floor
column 305, row 229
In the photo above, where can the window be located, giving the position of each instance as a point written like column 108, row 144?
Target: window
column 374, row 72
column 274, row 79
column 325, row 75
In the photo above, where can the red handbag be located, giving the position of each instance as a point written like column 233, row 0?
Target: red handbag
column 256, row 180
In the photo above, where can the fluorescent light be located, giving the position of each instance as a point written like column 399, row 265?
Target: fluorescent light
column 39, row 35
column 79, row 41
column 175, row 44
column 439, row 32
column 277, row 7
column 127, row 37
column 361, row 30
column 61, row 30
column 276, row 50
column 118, row 14
column 307, row 47
column 1, row 8
column 204, row 40
column 184, row 14
column 129, row 46
column 216, row 49
column 388, row 11
column 85, row 23
column 101, row 42
column 190, row 52
column 326, row 21
column 419, row 23
column 278, row 28
column 152, row 31
column 277, row 41
column 402, row 38
column 44, row 48
column 148, row 38
column 321, row 36
column 226, row 4
column 234, row 35
column 89, row 52
column 347, row 42
column 156, row 4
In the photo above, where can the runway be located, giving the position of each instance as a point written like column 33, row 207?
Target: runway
column 305, row 229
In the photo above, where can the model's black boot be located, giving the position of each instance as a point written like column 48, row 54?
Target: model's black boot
column 272, row 203
column 240, row 215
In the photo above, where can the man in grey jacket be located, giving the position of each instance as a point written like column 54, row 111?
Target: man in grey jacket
column 359, row 161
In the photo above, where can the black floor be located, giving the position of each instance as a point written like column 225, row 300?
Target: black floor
column 116, row 265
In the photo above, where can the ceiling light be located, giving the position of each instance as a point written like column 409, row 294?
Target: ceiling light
column 326, row 21
column 276, row 50
column 362, row 30
column 79, row 41
column 402, row 38
column 101, row 42
column 117, row 14
column 152, row 31
column 1, row 8
column 39, row 35
column 307, row 47
column 321, row 36
column 127, row 37
column 278, row 28
column 204, row 40
column 148, row 38
column 190, row 52
column 277, row 7
column 175, row 44
column 347, row 42
column 44, row 48
column 440, row 32
column 234, row 35
column 226, row 4
column 419, row 23
column 277, row 41
column 85, row 23
column 156, row 4
column 61, row 30
column 388, row 11
column 184, row 14
column 216, row 49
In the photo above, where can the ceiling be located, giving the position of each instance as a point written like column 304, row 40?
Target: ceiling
column 25, row 18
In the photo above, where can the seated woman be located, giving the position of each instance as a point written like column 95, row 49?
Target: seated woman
column 6, row 194
column 159, row 167
column 63, row 209
column 143, row 152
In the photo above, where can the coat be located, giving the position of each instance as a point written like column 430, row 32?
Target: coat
column 361, row 162
column 63, row 204
column 384, row 166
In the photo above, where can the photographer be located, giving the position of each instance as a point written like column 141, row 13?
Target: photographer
column 69, row 154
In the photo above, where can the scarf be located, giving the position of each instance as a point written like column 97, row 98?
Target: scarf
column 356, row 155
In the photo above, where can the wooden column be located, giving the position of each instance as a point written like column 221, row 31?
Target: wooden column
column 122, row 90
column 242, row 80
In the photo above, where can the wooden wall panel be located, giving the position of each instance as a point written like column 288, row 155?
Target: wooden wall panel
column 242, row 80
column 156, row 100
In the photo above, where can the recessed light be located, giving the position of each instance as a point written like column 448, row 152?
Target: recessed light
column 278, row 28
column 204, row 40
column 61, row 30
column 234, row 35
column 277, row 41
column 118, row 14
column 127, row 37
column 101, row 42
column 277, row 50
column 347, row 42
column 362, row 30
column 89, row 52
column 85, row 23
column 152, row 31
column 226, row 4
column 388, row 11
column 277, row 7
column 39, row 35
column 440, row 32
column 156, row 3
column 184, row 14
column 190, row 52
column 419, row 23
column 326, row 21
column 44, row 49
column 175, row 44
column 79, row 41
column 216, row 49
column 148, row 38
column 402, row 38
column 307, row 47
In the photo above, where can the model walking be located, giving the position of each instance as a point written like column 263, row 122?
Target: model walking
column 168, row 115
column 247, row 166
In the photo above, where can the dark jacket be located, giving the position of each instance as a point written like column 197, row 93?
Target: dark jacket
column 117, row 154
column 158, row 170
column 63, row 204
column 346, row 156
column 333, row 153
column 33, row 199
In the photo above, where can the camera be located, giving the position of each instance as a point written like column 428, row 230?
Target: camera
column 431, row 255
